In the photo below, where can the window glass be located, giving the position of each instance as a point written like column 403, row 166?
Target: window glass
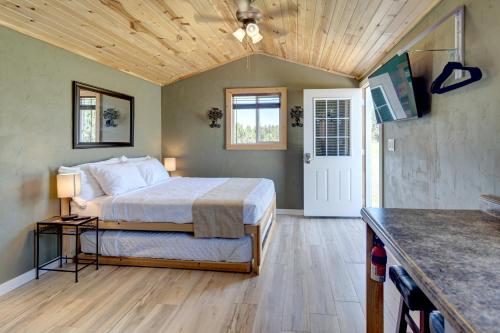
column 269, row 125
column 245, row 129
column 332, row 127
column 88, row 119
column 255, row 116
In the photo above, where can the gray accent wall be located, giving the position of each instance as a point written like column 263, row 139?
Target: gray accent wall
column 450, row 157
column 36, row 134
column 200, row 150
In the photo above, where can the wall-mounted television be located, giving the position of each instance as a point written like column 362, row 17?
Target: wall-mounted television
column 392, row 90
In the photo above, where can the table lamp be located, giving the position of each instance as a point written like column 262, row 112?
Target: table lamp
column 169, row 163
column 68, row 186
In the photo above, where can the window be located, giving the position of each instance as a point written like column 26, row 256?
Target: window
column 256, row 119
column 332, row 127
column 382, row 107
column 88, row 121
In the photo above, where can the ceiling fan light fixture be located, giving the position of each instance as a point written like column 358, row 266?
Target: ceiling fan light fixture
column 239, row 34
column 257, row 38
column 252, row 30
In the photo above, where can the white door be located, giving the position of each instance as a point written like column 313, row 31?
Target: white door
column 332, row 152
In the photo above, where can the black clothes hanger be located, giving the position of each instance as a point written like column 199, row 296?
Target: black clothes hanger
column 437, row 85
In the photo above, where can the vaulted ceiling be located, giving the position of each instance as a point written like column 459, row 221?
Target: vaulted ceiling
column 166, row 40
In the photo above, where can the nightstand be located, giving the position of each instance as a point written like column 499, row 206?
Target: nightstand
column 60, row 228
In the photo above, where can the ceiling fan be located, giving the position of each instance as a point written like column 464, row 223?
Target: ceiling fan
column 249, row 16
column 251, row 21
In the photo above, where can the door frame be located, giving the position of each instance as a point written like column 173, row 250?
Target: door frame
column 365, row 85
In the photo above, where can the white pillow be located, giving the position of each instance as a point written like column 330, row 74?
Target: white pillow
column 118, row 178
column 90, row 188
column 152, row 171
column 134, row 159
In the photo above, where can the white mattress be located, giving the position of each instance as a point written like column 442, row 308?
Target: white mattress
column 172, row 201
column 167, row 245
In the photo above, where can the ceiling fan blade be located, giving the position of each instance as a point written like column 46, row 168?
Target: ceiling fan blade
column 272, row 12
column 273, row 30
column 276, row 11
column 243, row 5
column 208, row 18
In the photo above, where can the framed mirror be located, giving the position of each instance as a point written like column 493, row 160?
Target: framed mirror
column 101, row 118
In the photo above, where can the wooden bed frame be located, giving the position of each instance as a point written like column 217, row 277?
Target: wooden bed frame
column 260, row 232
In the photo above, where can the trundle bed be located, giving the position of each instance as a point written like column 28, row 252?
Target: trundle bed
column 153, row 227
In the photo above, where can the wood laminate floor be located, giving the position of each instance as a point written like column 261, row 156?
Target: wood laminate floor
column 312, row 281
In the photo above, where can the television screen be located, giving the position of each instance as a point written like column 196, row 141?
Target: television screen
column 392, row 90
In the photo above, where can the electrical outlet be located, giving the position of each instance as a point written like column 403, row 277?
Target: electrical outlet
column 390, row 145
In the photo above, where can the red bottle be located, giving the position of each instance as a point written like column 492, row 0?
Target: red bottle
column 378, row 261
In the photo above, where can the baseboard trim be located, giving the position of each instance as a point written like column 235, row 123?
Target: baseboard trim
column 297, row 212
column 22, row 279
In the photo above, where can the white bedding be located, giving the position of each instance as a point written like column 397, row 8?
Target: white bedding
column 92, row 208
column 171, row 201
column 167, row 245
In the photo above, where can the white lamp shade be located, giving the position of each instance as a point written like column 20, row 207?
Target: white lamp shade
column 239, row 34
column 257, row 38
column 169, row 163
column 68, row 185
column 252, row 29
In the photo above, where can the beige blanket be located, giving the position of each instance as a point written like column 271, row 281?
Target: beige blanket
column 219, row 213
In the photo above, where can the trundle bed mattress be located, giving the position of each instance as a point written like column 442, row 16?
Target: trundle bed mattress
column 167, row 245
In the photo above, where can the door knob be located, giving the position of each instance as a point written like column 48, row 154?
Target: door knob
column 307, row 158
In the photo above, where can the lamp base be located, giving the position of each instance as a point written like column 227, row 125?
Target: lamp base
column 68, row 217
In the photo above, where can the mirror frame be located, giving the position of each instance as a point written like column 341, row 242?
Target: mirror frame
column 76, row 104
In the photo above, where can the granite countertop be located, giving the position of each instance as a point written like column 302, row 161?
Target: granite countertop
column 453, row 256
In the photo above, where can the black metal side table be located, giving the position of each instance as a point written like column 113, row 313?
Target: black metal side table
column 55, row 226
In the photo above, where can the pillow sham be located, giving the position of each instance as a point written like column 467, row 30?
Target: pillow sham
column 119, row 178
column 135, row 159
column 152, row 171
column 90, row 188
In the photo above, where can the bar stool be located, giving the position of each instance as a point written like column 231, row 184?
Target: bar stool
column 412, row 299
column 436, row 322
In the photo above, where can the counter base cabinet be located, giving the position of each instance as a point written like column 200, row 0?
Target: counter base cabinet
column 471, row 259
column 374, row 292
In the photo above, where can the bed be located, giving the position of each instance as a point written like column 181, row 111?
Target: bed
column 164, row 211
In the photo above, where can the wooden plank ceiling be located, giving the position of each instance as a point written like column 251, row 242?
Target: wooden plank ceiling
column 166, row 40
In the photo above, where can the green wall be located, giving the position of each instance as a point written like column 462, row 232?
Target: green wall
column 450, row 157
column 200, row 149
column 35, row 134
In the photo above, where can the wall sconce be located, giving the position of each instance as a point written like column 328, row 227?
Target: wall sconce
column 297, row 113
column 214, row 114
